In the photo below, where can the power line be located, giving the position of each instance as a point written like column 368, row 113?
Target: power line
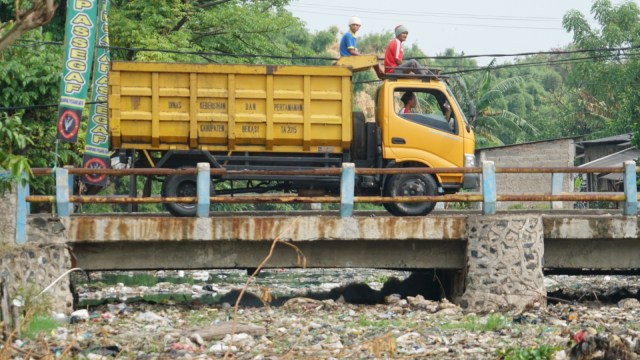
column 29, row 107
column 429, row 14
column 295, row 57
column 548, row 62
column 553, row 52
column 445, row 23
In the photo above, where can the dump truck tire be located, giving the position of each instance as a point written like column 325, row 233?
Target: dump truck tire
column 179, row 186
column 411, row 185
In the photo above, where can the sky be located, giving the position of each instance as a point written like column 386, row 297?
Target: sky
column 473, row 26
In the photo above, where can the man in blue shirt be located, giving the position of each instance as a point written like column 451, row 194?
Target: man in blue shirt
column 348, row 41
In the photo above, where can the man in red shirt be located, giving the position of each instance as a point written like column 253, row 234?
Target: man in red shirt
column 393, row 55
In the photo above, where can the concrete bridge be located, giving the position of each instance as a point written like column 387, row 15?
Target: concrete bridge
column 573, row 241
column 484, row 259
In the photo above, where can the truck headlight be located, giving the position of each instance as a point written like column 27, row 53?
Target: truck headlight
column 469, row 160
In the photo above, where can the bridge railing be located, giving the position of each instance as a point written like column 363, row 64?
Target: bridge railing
column 488, row 196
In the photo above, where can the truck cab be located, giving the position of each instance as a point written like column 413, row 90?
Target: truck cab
column 430, row 130
column 435, row 133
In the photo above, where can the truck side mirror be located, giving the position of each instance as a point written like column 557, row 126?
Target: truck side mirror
column 472, row 112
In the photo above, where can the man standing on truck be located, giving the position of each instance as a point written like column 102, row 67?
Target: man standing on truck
column 394, row 54
column 348, row 41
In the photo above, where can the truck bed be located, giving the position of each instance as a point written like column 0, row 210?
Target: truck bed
column 248, row 108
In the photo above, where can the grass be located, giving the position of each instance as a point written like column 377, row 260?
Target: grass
column 381, row 279
column 541, row 352
column 492, row 322
column 366, row 321
column 39, row 324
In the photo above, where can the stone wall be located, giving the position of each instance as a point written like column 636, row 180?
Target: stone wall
column 44, row 258
column 504, row 263
column 553, row 153
column 8, row 218
column 38, row 265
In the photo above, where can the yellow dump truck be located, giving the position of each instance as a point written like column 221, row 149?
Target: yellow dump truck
column 272, row 117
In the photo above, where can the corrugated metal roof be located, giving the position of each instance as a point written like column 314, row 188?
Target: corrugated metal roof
column 611, row 139
column 615, row 159
column 529, row 143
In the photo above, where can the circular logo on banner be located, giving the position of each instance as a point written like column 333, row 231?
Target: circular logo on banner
column 68, row 124
column 95, row 163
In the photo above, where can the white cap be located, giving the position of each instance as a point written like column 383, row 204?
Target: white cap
column 354, row 20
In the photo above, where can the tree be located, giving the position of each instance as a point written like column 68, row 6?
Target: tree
column 607, row 82
column 13, row 139
column 225, row 27
column 28, row 17
column 494, row 125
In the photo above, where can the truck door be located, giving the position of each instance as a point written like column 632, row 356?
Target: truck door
column 425, row 130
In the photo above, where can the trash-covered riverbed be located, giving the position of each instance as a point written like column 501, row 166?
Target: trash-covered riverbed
column 302, row 314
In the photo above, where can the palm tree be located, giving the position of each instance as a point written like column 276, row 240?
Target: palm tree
column 493, row 125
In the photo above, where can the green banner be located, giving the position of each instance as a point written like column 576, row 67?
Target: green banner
column 96, row 150
column 80, row 36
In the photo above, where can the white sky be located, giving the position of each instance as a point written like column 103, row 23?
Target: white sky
column 473, row 26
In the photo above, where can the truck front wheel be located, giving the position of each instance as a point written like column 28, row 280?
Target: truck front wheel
column 401, row 185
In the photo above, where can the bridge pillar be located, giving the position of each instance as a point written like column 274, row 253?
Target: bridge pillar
column 38, row 262
column 504, row 263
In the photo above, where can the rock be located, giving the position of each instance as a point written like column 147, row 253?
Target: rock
column 557, row 322
column 219, row 330
column 196, row 338
column 304, row 304
column 150, row 316
column 219, row 348
column 392, row 299
column 408, row 339
column 200, row 275
column 559, row 355
column 79, row 316
column 242, row 339
column 333, row 346
column 629, row 303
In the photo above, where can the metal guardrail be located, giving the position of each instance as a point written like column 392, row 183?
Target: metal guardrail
column 488, row 196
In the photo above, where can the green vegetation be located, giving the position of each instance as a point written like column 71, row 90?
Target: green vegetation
column 491, row 322
column 541, row 352
column 591, row 93
column 35, row 311
column 38, row 325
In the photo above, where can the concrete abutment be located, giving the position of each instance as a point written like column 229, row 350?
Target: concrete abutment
column 32, row 267
column 504, row 263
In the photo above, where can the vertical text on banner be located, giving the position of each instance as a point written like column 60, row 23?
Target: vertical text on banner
column 79, row 44
column 96, row 150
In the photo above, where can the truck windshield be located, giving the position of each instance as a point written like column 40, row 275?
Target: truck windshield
column 464, row 117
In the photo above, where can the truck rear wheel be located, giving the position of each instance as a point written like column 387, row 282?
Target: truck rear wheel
column 180, row 186
column 410, row 185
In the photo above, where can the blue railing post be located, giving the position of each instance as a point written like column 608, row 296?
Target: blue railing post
column 347, row 187
column 62, row 192
column 488, row 188
column 556, row 189
column 22, row 210
column 630, row 189
column 204, row 184
column 70, row 184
